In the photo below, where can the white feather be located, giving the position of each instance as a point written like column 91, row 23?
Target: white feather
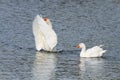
column 96, row 51
column 45, row 37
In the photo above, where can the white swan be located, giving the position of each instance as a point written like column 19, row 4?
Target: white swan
column 45, row 37
column 96, row 51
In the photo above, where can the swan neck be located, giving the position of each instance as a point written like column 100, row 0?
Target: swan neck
column 83, row 49
column 49, row 23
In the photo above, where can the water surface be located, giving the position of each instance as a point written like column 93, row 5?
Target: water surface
column 93, row 22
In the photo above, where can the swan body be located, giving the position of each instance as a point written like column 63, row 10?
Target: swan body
column 95, row 51
column 45, row 36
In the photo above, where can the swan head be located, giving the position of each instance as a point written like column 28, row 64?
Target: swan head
column 47, row 21
column 80, row 45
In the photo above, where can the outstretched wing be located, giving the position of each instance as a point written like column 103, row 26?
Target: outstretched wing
column 38, row 35
column 50, row 36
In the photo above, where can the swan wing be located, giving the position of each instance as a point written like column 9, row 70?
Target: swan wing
column 97, row 48
column 96, row 51
column 38, row 35
column 49, row 34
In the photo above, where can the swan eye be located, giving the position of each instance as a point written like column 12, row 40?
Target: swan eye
column 45, row 19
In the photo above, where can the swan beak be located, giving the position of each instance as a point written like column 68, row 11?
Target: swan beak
column 45, row 19
column 78, row 46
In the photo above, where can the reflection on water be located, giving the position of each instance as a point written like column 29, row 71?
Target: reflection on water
column 91, row 68
column 43, row 67
column 67, row 66
column 92, row 62
column 98, row 69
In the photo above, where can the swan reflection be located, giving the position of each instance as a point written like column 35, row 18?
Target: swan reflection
column 44, row 64
column 89, row 67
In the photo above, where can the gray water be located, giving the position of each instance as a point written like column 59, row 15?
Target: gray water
column 93, row 22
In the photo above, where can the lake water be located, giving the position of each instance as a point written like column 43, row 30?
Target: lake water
column 93, row 22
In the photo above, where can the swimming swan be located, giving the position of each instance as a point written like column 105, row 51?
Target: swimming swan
column 95, row 51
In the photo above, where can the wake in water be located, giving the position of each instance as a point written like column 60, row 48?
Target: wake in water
column 54, row 51
column 57, row 51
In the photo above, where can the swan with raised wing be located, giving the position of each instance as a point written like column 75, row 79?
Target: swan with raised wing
column 45, row 36
column 95, row 51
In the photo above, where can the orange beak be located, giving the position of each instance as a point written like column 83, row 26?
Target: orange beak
column 45, row 19
column 78, row 46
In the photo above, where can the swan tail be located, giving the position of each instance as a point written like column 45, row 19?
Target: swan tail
column 101, row 45
column 102, row 52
